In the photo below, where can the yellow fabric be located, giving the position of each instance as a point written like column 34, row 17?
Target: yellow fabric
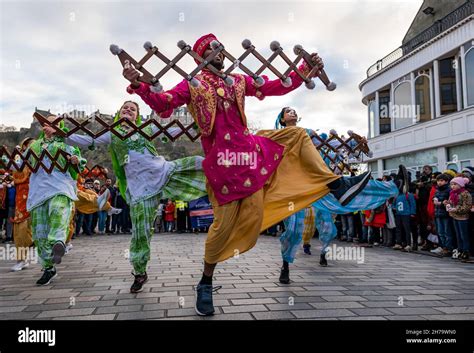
column 87, row 202
column 309, row 225
column 449, row 172
column 299, row 180
column 180, row 205
column 22, row 238
column 235, row 228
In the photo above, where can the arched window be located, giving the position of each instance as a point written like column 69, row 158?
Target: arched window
column 422, row 97
column 402, row 106
column 469, row 60
column 372, row 108
column 385, row 122
column 447, row 85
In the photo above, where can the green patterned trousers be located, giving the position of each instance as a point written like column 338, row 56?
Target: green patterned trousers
column 187, row 182
column 50, row 224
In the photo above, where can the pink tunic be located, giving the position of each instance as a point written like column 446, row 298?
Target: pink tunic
column 236, row 163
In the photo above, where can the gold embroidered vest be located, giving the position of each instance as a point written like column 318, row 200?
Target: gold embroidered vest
column 203, row 105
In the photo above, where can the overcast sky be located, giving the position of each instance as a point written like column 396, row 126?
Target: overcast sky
column 55, row 54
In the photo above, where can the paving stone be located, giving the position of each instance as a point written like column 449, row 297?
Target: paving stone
column 141, row 315
column 371, row 311
column 118, row 309
column 337, row 305
column 274, row 315
column 322, row 313
column 244, row 308
column 66, row 312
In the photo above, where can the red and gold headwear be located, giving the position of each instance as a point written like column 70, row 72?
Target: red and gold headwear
column 203, row 43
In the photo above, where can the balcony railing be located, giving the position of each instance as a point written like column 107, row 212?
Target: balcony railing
column 462, row 12
column 387, row 60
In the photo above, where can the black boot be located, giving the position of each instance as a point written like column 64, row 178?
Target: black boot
column 307, row 249
column 285, row 273
column 322, row 260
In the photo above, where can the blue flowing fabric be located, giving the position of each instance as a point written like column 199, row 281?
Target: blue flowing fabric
column 372, row 196
column 291, row 238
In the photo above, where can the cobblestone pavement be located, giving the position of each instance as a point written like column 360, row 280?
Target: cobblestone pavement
column 94, row 279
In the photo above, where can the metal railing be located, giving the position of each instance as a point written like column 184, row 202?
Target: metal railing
column 462, row 12
column 387, row 60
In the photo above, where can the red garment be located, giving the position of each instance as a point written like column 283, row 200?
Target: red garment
column 169, row 213
column 3, row 198
column 379, row 221
column 237, row 163
column 431, row 206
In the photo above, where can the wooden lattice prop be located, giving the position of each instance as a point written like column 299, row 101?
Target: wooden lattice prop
column 217, row 47
column 97, row 171
column 5, row 177
column 339, row 155
column 339, row 151
column 125, row 123
column 18, row 161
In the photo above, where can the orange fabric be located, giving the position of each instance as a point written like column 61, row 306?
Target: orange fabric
column 87, row 202
column 80, row 183
column 22, row 185
column 3, row 198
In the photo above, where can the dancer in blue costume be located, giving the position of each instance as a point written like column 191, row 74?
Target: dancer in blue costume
column 373, row 195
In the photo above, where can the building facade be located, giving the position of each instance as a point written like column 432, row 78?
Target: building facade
column 420, row 97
